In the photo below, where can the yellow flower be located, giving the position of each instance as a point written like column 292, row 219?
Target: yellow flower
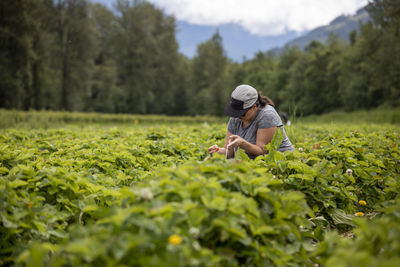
column 175, row 239
column 359, row 214
column 362, row 203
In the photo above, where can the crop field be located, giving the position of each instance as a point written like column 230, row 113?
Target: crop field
column 148, row 194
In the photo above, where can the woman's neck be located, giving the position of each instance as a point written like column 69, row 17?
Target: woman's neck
column 248, row 119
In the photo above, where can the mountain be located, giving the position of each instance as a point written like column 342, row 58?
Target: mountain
column 239, row 44
column 341, row 26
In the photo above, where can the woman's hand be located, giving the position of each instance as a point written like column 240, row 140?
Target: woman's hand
column 213, row 149
column 235, row 141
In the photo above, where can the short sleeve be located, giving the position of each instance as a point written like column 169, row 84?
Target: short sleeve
column 269, row 118
column 232, row 125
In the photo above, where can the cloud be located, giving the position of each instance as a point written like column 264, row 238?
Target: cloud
column 261, row 17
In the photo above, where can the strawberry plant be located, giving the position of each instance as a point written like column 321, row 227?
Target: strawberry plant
column 142, row 195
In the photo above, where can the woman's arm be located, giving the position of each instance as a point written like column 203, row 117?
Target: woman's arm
column 264, row 136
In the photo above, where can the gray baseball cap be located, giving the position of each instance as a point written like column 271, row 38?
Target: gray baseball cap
column 243, row 98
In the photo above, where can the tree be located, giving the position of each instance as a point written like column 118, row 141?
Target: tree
column 292, row 82
column 208, row 77
column 19, row 34
column 182, row 100
column 103, row 94
column 386, row 18
column 285, row 81
column 331, row 96
column 147, row 57
column 259, row 72
column 386, row 14
column 74, row 55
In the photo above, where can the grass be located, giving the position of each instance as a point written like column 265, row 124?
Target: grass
column 53, row 119
column 378, row 116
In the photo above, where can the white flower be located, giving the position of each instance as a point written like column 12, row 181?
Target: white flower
column 146, row 193
column 300, row 149
column 193, row 231
column 349, row 172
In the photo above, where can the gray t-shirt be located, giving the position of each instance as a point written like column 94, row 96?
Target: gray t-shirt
column 267, row 117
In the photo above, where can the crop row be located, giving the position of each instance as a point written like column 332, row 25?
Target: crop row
column 146, row 196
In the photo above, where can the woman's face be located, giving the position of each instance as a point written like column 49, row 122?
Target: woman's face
column 249, row 114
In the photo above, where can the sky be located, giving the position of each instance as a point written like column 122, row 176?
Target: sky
column 248, row 26
column 261, row 17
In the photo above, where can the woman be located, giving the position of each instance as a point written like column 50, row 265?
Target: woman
column 252, row 125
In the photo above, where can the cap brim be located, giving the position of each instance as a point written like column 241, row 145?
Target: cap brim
column 235, row 113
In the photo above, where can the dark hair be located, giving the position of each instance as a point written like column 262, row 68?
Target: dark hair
column 264, row 100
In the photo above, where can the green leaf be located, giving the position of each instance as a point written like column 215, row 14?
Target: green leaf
column 17, row 183
column 58, row 233
column 7, row 223
column 263, row 229
column 340, row 217
column 3, row 170
column 302, row 176
column 261, row 191
column 239, row 232
column 40, row 226
column 218, row 203
column 90, row 208
column 77, row 247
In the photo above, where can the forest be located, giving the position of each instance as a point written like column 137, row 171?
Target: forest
column 74, row 55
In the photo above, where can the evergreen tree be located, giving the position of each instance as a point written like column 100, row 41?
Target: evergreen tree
column 287, row 79
column 75, row 44
column 259, row 72
column 208, row 77
column 103, row 94
column 386, row 18
column 19, row 33
column 147, row 55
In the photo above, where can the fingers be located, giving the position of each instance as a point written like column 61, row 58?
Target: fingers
column 233, row 137
column 213, row 149
column 235, row 141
